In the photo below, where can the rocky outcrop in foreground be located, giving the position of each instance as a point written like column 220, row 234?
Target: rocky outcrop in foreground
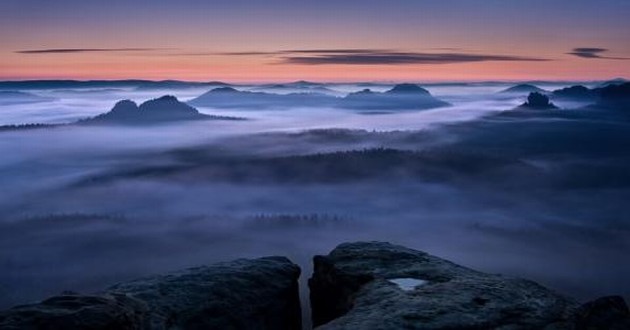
column 368, row 285
column 242, row 294
column 72, row 311
column 383, row 286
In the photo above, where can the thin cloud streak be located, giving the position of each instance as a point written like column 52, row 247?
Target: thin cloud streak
column 237, row 53
column 84, row 50
column 288, row 52
column 593, row 53
column 334, row 51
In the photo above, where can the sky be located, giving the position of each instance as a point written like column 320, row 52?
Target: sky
column 274, row 40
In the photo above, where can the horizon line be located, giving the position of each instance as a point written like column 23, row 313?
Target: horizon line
column 240, row 81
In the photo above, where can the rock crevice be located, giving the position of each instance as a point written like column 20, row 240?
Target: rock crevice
column 362, row 285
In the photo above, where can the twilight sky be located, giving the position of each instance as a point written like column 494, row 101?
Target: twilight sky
column 325, row 40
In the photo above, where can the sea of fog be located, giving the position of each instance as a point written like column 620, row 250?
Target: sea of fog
column 58, row 235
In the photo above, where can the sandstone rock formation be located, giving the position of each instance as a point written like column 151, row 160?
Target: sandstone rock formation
column 537, row 100
column 375, row 285
column 161, row 110
column 363, row 285
column 242, row 294
column 400, row 97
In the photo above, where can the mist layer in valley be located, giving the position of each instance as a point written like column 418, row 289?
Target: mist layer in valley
column 483, row 179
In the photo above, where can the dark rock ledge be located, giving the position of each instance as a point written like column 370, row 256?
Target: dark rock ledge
column 377, row 285
column 242, row 294
column 365, row 285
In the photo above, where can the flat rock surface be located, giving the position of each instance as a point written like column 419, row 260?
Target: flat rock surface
column 241, row 294
column 354, row 287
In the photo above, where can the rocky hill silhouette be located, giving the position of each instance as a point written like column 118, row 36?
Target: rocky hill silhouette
column 616, row 81
column 400, row 97
column 537, row 100
column 164, row 109
column 575, row 93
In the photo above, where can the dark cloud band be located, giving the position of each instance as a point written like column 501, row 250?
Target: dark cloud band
column 374, row 57
column 400, row 58
column 593, row 53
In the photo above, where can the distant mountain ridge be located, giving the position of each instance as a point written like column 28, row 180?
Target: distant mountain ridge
column 408, row 89
column 295, row 87
column 523, row 89
column 401, row 96
column 612, row 100
column 17, row 97
column 576, row 93
column 229, row 97
column 612, row 94
column 79, row 84
column 616, row 81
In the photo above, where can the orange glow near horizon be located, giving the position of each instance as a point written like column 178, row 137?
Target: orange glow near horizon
column 188, row 40
column 241, row 69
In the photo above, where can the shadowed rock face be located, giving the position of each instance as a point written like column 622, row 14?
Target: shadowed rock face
column 124, row 110
column 353, row 288
column 603, row 313
column 72, row 311
column 242, row 294
column 615, row 96
column 537, row 100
